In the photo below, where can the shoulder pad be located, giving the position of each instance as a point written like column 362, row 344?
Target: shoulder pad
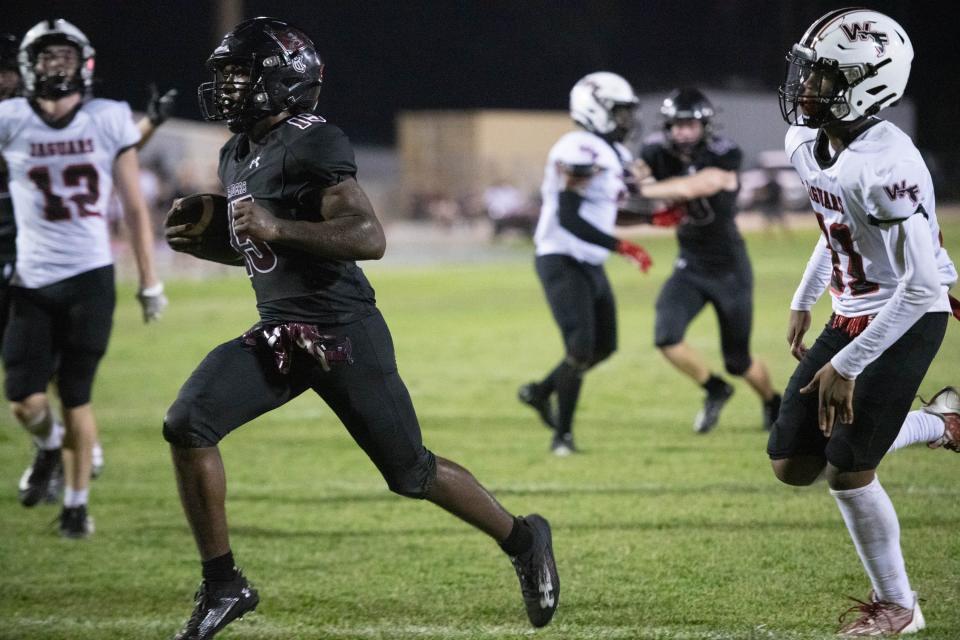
column 797, row 136
column 720, row 145
column 579, row 148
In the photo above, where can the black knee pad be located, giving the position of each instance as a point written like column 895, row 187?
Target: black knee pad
column 414, row 481
column 737, row 365
column 179, row 429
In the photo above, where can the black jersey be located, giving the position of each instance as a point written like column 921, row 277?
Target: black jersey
column 708, row 235
column 300, row 155
column 8, row 226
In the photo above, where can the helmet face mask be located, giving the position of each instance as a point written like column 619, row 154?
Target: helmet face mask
column 850, row 64
column 814, row 91
column 261, row 68
column 56, row 60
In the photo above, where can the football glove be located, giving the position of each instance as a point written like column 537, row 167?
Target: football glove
column 160, row 107
column 152, row 302
column 669, row 217
column 635, row 254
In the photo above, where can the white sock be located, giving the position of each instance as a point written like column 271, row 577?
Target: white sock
column 875, row 530
column 919, row 426
column 75, row 497
column 55, row 439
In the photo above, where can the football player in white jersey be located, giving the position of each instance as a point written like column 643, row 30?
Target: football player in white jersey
column 881, row 257
column 585, row 180
column 65, row 152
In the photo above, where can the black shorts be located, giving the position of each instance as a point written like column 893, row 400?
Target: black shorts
column 730, row 292
column 61, row 331
column 238, row 382
column 882, row 398
column 583, row 306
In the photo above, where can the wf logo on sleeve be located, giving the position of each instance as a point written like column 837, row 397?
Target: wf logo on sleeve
column 901, row 190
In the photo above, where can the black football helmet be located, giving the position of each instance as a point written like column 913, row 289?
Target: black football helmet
column 687, row 104
column 55, row 85
column 9, row 48
column 283, row 70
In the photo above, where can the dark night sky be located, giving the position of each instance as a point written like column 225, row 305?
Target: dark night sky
column 384, row 56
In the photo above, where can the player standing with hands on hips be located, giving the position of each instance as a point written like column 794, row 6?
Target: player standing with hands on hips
column 881, row 257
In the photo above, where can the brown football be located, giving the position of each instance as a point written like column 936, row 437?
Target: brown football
column 207, row 212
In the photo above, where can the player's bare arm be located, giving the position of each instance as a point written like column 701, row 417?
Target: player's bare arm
column 350, row 229
column 797, row 327
column 126, row 176
column 702, row 184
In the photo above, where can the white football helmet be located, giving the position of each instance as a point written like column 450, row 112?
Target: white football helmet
column 850, row 63
column 604, row 103
column 51, row 32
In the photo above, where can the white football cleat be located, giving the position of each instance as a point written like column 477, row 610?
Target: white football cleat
column 946, row 405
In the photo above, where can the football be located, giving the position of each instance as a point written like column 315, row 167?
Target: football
column 210, row 230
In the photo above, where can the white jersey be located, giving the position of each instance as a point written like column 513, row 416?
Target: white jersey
column 61, row 180
column 600, row 198
column 875, row 205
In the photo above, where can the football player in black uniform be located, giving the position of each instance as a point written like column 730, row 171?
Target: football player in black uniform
column 300, row 220
column 9, row 87
column 699, row 168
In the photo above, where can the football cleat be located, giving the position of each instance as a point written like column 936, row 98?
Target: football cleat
column 75, row 522
column 537, row 572
column 529, row 394
column 946, row 404
column 707, row 417
column 771, row 409
column 217, row 604
column 36, row 481
column 97, row 468
column 562, row 445
column 878, row 618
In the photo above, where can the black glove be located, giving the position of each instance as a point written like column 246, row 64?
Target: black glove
column 160, row 107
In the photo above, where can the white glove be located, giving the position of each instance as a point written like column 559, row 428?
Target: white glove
column 152, row 301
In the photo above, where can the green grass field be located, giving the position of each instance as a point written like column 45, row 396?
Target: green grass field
column 659, row 533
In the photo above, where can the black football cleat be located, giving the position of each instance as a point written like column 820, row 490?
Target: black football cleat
column 36, row 481
column 75, row 522
column 707, row 417
column 562, row 445
column 529, row 394
column 771, row 409
column 216, row 605
column 537, row 571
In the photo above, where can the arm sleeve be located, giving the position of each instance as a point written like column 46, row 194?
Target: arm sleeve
column 910, row 248
column 815, row 279
column 568, row 211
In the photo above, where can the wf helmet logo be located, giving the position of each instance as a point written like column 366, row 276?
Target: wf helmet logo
column 901, row 190
column 856, row 31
